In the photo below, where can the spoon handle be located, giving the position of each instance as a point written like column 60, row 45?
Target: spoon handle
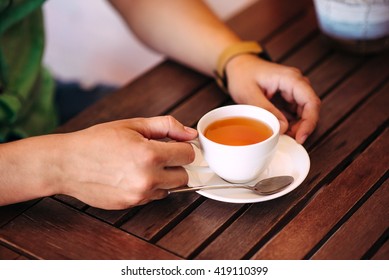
column 189, row 189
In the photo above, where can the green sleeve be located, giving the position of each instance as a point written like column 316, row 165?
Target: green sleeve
column 26, row 97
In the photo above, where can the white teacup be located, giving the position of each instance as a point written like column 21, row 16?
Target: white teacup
column 238, row 164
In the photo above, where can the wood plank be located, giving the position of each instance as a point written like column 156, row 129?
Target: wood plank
column 158, row 215
column 197, row 227
column 292, row 36
column 9, row 212
column 173, row 82
column 194, row 108
column 248, row 229
column 333, row 70
column 264, row 18
column 261, row 221
column 112, row 216
column 360, row 232
column 74, row 202
column 319, row 217
column 383, row 252
column 356, row 88
column 7, row 254
column 308, row 54
column 51, row 230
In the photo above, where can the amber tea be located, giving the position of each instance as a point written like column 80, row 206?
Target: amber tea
column 238, row 131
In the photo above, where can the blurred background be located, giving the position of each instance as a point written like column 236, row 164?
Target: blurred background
column 88, row 42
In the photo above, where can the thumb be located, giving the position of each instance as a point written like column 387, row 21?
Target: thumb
column 166, row 126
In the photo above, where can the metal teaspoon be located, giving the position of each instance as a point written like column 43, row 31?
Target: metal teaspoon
column 266, row 186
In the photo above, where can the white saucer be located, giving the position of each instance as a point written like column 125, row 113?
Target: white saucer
column 290, row 159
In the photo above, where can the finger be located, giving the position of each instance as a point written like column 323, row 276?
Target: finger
column 173, row 153
column 306, row 125
column 165, row 126
column 309, row 112
column 156, row 194
column 165, row 178
column 299, row 91
column 172, row 177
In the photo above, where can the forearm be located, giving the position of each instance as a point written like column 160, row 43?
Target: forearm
column 186, row 31
column 25, row 170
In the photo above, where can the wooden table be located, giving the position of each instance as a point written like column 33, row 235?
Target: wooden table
column 339, row 212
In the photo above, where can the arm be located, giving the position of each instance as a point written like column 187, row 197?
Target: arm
column 129, row 169
column 189, row 32
column 25, row 169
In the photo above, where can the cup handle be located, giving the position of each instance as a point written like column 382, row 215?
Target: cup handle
column 197, row 168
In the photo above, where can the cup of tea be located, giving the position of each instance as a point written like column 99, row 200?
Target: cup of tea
column 238, row 141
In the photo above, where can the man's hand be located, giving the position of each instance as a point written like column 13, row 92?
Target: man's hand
column 113, row 165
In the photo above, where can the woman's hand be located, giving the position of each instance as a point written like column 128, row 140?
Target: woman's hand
column 254, row 81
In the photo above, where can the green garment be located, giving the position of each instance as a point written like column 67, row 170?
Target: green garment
column 26, row 88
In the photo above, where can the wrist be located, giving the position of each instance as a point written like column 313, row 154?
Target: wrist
column 231, row 53
column 26, row 170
